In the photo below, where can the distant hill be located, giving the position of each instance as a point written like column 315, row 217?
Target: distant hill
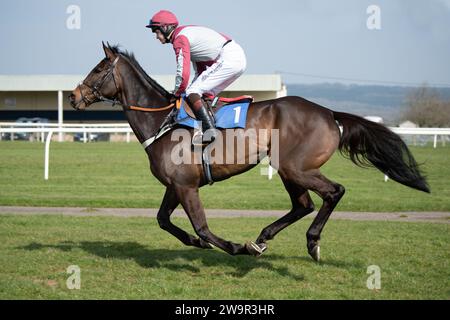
column 384, row 101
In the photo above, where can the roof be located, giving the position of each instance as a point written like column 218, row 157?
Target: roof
column 252, row 82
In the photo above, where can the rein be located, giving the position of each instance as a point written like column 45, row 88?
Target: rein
column 151, row 109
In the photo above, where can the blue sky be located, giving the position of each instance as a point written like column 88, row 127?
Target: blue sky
column 323, row 39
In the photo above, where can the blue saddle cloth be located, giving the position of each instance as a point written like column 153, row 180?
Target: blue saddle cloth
column 229, row 116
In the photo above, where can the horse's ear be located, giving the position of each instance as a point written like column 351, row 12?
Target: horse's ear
column 108, row 52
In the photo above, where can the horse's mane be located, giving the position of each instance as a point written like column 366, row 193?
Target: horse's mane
column 135, row 63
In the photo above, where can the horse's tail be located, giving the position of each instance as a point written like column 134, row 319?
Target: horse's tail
column 368, row 143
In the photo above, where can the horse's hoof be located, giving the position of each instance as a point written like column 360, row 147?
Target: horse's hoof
column 315, row 253
column 263, row 246
column 255, row 249
column 205, row 245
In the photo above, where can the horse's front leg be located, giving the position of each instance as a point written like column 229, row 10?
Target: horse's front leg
column 189, row 199
column 170, row 202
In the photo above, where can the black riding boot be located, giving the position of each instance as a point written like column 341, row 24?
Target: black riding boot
column 203, row 115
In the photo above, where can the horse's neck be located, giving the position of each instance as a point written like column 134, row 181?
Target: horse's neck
column 138, row 92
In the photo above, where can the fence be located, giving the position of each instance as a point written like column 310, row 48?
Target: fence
column 85, row 129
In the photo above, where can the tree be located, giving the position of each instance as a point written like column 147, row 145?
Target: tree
column 425, row 108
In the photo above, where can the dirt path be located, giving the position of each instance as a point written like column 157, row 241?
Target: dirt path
column 437, row 217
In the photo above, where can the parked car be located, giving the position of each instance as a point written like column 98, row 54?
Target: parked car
column 17, row 136
column 23, row 135
column 32, row 120
column 79, row 136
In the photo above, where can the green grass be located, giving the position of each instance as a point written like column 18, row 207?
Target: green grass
column 118, row 175
column 131, row 258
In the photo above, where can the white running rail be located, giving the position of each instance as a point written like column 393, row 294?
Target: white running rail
column 89, row 128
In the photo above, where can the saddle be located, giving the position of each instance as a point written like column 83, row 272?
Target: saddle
column 227, row 112
column 214, row 104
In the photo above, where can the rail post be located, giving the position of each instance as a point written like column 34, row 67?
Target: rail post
column 47, row 153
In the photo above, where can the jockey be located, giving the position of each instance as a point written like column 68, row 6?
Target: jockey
column 217, row 60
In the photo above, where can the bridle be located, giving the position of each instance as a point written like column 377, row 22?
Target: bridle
column 95, row 89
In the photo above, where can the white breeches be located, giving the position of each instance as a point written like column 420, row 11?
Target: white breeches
column 229, row 66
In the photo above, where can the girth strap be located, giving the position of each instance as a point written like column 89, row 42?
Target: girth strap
column 150, row 140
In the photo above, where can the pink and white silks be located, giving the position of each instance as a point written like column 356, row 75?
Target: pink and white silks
column 218, row 61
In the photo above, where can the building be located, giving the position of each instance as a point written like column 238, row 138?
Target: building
column 45, row 96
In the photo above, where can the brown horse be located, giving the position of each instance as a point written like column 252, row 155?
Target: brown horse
column 307, row 136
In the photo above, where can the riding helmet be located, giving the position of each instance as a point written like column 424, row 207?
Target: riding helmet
column 165, row 21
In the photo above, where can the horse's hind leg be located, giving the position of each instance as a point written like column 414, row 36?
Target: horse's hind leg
column 189, row 199
column 301, row 206
column 170, row 202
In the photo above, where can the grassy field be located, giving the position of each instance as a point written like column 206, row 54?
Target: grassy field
column 118, row 175
column 131, row 258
